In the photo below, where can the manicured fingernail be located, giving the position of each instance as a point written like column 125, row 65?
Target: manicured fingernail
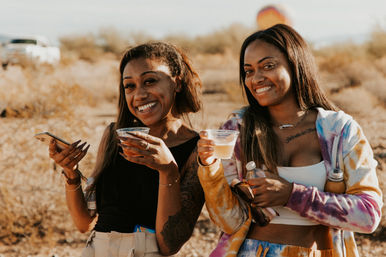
column 122, row 145
column 75, row 143
column 85, row 146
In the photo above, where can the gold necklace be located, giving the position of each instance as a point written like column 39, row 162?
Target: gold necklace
column 291, row 126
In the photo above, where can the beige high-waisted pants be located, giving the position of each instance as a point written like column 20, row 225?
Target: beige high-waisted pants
column 115, row 244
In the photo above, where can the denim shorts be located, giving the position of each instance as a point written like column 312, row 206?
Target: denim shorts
column 258, row 248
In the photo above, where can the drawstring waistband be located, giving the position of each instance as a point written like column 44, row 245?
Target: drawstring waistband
column 260, row 252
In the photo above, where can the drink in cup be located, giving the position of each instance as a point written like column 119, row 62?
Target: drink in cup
column 126, row 132
column 224, row 141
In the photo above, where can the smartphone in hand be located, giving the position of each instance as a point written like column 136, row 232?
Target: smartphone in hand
column 46, row 137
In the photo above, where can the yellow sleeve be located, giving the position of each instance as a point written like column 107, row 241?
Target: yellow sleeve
column 225, row 208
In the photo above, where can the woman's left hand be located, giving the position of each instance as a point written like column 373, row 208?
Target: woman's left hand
column 149, row 151
column 271, row 190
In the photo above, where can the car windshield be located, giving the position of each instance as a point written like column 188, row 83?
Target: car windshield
column 23, row 41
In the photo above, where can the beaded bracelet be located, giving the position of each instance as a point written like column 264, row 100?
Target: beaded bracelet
column 171, row 184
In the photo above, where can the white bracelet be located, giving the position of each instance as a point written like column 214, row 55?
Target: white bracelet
column 75, row 189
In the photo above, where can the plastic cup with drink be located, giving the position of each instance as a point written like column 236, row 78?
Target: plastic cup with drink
column 127, row 132
column 224, row 141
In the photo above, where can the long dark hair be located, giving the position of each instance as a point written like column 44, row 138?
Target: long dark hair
column 259, row 142
column 187, row 100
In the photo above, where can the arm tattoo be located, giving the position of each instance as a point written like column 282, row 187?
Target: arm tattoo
column 290, row 138
column 179, row 227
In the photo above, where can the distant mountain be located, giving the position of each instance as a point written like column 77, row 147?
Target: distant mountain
column 356, row 39
column 4, row 38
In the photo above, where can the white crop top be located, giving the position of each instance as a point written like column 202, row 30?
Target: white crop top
column 313, row 175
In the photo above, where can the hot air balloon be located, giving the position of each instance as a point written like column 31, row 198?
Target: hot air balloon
column 272, row 14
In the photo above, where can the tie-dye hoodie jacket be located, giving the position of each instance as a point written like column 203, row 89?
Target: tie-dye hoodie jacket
column 358, row 210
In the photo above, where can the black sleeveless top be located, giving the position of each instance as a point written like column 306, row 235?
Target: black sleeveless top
column 127, row 193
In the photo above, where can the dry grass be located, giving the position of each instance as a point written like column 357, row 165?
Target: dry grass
column 76, row 100
column 31, row 193
column 350, row 65
column 92, row 47
column 48, row 91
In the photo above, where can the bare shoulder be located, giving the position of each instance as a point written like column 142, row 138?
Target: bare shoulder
column 311, row 117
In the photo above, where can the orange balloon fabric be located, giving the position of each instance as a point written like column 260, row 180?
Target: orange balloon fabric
column 271, row 15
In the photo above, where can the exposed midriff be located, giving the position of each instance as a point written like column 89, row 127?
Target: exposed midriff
column 305, row 236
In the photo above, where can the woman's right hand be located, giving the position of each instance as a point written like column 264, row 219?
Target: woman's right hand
column 271, row 190
column 205, row 149
column 69, row 157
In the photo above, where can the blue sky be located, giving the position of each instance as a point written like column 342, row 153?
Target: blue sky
column 316, row 20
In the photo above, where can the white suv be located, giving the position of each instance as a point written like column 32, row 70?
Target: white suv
column 34, row 49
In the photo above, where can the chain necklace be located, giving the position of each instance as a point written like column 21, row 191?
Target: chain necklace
column 291, row 126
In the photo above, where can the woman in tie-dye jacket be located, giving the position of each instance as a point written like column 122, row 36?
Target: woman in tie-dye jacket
column 289, row 127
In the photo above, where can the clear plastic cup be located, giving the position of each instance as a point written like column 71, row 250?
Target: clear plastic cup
column 126, row 132
column 224, row 141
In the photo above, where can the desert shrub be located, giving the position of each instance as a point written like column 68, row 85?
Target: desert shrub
column 362, row 65
column 217, row 42
column 216, row 69
column 111, row 41
column 84, row 47
column 100, row 79
column 138, row 37
column 46, row 92
column 333, row 58
column 94, row 47
column 376, row 46
column 185, row 42
column 338, row 56
column 348, row 100
column 221, row 40
column 380, row 64
column 30, row 93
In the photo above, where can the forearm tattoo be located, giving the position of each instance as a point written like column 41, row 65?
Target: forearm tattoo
column 179, row 227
